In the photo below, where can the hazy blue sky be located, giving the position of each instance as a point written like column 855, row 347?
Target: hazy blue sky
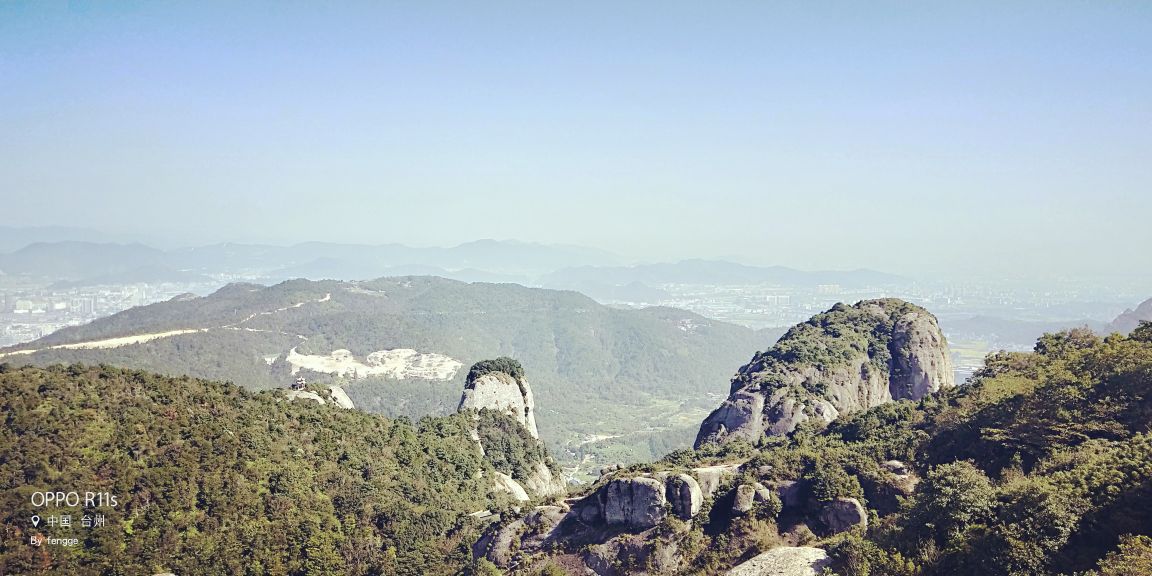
column 905, row 136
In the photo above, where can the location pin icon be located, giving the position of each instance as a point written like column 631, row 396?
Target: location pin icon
column 35, row 520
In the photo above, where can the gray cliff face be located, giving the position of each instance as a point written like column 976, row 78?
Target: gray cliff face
column 684, row 495
column 501, row 392
column 847, row 359
column 921, row 362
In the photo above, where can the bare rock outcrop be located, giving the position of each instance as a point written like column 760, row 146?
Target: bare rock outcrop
column 784, row 561
column 710, row 477
column 640, row 502
column 506, row 483
column 499, row 543
column 847, row 359
column 305, row 395
column 502, row 541
column 634, row 502
column 684, row 495
column 621, row 524
column 543, row 483
column 745, row 499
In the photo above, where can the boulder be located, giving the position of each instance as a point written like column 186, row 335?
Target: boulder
column 636, row 503
column 505, row 483
column 640, row 502
column 744, row 500
column 763, row 494
column 710, row 477
column 684, row 494
column 784, row 561
column 843, row 514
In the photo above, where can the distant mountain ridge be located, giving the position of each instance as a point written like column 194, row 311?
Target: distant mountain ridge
column 592, row 271
column 74, row 260
column 13, row 238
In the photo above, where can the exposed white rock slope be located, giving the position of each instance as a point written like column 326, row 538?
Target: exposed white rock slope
column 401, row 363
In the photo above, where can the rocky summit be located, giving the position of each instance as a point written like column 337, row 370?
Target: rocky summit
column 499, row 388
column 500, row 385
column 847, row 359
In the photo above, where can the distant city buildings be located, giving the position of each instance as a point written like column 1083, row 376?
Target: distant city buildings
column 28, row 313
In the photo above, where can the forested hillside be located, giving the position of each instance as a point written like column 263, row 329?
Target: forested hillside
column 211, row 478
column 1041, row 465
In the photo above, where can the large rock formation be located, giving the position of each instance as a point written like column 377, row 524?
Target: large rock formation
column 635, row 503
column 499, row 386
column 846, row 359
column 640, row 502
column 619, row 523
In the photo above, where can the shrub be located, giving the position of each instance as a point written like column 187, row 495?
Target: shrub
column 952, row 498
column 503, row 364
